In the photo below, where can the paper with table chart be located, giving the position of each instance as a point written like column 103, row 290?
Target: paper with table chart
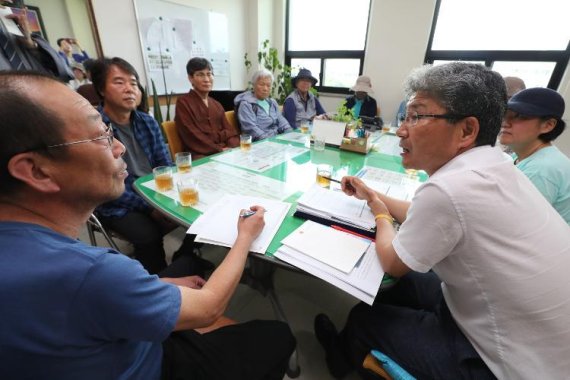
column 218, row 225
column 216, row 180
column 335, row 205
column 388, row 144
column 362, row 282
column 337, row 249
column 394, row 184
column 297, row 137
column 260, row 157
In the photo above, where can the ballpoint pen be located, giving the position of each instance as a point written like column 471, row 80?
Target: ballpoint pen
column 247, row 213
column 348, row 185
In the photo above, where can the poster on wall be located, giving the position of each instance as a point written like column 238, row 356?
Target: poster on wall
column 171, row 34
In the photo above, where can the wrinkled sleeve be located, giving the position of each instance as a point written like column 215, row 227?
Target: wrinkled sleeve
column 319, row 107
column 248, row 121
column 290, row 112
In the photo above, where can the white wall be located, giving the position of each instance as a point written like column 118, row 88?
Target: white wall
column 397, row 40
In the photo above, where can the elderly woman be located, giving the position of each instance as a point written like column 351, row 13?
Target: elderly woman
column 257, row 113
column 361, row 102
column 301, row 106
column 532, row 122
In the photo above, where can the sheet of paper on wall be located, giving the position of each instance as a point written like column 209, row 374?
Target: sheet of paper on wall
column 394, row 184
column 335, row 205
column 337, row 249
column 218, row 225
column 9, row 24
column 362, row 282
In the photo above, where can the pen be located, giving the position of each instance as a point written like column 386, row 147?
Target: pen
column 247, row 214
column 348, row 185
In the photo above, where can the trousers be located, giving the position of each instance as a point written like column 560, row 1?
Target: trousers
column 412, row 324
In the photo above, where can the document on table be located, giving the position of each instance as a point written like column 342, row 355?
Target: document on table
column 218, row 225
column 394, row 184
column 337, row 249
column 335, row 205
column 297, row 137
column 215, row 180
column 362, row 282
column 261, row 156
column 388, row 144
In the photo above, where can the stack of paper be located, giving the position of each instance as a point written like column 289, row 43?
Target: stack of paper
column 335, row 206
column 344, row 260
column 218, row 225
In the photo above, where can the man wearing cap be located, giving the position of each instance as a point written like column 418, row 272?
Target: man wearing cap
column 533, row 120
column 301, row 105
column 361, row 102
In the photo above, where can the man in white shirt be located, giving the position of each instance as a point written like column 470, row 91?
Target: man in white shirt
column 497, row 303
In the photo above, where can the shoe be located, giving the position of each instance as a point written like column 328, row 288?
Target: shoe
column 328, row 337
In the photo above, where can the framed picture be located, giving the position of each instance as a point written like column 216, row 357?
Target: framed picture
column 34, row 20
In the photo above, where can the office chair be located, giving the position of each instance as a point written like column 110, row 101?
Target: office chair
column 174, row 142
column 231, row 117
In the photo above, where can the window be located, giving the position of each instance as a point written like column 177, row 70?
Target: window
column 527, row 39
column 330, row 43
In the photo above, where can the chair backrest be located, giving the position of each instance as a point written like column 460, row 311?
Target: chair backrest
column 231, row 117
column 174, row 142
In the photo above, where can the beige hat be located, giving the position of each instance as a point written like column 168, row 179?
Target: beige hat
column 363, row 84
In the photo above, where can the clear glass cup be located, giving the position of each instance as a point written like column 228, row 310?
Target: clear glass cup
column 319, row 143
column 188, row 192
column 324, row 173
column 304, row 127
column 183, row 162
column 245, row 142
column 163, row 178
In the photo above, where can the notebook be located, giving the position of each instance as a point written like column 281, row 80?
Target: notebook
column 331, row 131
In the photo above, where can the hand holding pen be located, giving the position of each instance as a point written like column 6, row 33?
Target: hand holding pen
column 250, row 222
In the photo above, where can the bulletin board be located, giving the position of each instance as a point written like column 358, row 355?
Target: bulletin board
column 171, row 34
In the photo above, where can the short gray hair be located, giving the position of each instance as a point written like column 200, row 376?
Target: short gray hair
column 261, row 73
column 464, row 89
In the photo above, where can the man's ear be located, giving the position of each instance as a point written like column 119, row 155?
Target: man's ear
column 34, row 171
column 469, row 132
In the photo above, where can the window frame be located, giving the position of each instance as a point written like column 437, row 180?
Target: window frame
column 323, row 55
column 560, row 57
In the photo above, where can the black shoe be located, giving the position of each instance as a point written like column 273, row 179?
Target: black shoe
column 328, row 337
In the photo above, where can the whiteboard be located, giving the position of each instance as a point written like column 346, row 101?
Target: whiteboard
column 171, row 34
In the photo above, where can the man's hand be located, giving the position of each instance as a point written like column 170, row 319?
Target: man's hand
column 251, row 226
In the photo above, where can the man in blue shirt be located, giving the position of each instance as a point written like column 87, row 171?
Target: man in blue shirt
column 72, row 311
column 130, row 215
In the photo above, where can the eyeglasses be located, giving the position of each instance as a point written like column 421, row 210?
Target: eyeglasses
column 204, row 75
column 108, row 135
column 411, row 118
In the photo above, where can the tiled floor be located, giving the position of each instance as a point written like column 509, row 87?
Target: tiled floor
column 301, row 296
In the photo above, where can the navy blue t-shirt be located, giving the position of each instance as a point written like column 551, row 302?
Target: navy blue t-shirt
column 73, row 311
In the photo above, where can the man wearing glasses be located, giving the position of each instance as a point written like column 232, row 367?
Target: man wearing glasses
column 482, row 257
column 74, row 311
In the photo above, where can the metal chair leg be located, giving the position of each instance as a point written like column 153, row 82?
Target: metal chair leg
column 93, row 224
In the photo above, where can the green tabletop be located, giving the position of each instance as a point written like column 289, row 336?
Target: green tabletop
column 301, row 170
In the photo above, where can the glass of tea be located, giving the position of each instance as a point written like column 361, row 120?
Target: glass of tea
column 245, row 142
column 163, row 178
column 188, row 191
column 183, row 162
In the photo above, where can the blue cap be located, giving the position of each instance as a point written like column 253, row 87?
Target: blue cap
column 537, row 101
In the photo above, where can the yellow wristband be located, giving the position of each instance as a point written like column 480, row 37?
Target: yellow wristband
column 384, row 216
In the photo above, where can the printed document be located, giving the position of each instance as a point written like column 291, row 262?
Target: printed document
column 218, row 225
column 337, row 249
column 215, row 180
column 261, row 156
column 362, row 282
